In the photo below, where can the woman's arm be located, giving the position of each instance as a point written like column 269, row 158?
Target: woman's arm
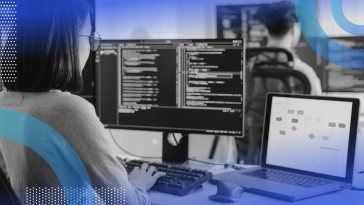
column 76, row 120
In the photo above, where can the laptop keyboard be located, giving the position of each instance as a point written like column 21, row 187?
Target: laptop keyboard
column 286, row 178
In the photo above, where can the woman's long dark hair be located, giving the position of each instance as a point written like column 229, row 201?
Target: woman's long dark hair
column 47, row 45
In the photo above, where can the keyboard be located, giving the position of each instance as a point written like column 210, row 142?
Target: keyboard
column 286, row 178
column 178, row 180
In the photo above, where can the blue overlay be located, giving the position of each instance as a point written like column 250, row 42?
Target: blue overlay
column 310, row 26
column 48, row 143
column 342, row 21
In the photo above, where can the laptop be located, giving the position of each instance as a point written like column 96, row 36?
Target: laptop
column 308, row 147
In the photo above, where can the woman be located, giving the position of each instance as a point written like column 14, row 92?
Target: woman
column 53, row 43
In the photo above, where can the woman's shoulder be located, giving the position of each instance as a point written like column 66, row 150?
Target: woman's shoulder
column 68, row 99
column 63, row 104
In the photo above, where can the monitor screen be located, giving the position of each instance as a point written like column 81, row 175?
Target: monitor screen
column 343, row 79
column 309, row 135
column 241, row 21
column 192, row 86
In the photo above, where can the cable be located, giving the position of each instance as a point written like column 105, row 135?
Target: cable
column 357, row 189
column 189, row 159
column 352, row 187
column 348, row 187
column 112, row 136
column 174, row 137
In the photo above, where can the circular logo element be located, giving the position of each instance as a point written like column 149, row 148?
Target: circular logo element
column 342, row 21
column 310, row 27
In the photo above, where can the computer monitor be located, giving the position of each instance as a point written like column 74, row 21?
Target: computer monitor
column 343, row 79
column 241, row 21
column 183, row 86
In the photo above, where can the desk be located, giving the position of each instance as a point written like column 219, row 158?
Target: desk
column 200, row 196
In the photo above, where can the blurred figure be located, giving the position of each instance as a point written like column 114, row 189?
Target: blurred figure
column 284, row 32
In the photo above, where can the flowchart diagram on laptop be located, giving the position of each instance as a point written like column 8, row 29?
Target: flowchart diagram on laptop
column 309, row 134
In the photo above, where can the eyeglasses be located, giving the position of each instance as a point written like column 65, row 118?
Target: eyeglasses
column 94, row 40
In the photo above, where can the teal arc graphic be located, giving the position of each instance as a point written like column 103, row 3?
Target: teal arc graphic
column 51, row 146
column 342, row 21
column 310, row 27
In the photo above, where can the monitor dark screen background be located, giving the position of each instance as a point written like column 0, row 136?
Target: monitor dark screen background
column 167, row 102
column 303, row 50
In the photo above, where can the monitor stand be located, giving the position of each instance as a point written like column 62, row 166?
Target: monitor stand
column 174, row 154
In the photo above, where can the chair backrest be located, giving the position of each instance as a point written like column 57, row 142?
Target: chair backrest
column 278, row 56
column 267, row 70
column 271, row 70
column 283, row 74
column 7, row 195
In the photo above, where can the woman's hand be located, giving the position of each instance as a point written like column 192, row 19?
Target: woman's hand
column 143, row 177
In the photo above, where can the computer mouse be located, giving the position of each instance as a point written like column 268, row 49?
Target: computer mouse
column 227, row 192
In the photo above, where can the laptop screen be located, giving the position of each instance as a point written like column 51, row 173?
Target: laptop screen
column 309, row 135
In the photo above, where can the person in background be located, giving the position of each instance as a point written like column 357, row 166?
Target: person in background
column 284, row 32
column 53, row 44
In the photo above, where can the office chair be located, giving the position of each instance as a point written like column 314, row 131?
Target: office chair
column 7, row 195
column 267, row 70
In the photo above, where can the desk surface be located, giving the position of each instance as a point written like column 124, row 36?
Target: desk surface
column 200, row 196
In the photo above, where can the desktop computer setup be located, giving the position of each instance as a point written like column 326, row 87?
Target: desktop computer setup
column 182, row 86
column 198, row 86
column 172, row 86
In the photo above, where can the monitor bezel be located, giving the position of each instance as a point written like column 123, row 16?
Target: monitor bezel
column 176, row 130
column 352, row 136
